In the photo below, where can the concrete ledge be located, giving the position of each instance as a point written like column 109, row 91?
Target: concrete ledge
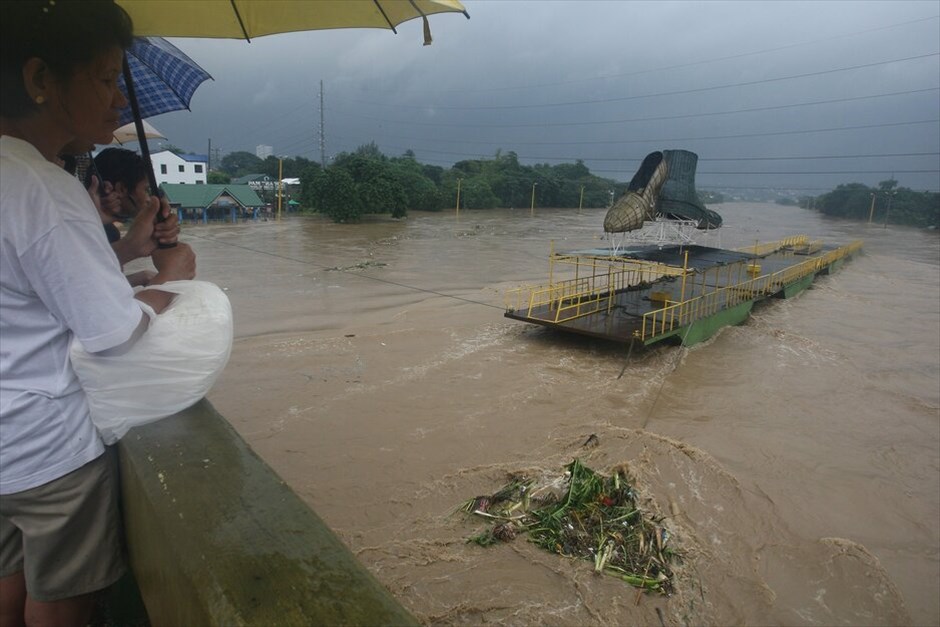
column 216, row 538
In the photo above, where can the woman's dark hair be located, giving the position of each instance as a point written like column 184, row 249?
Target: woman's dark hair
column 63, row 33
column 119, row 165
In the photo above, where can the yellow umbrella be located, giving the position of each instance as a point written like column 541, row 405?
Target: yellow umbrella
column 128, row 133
column 245, row 19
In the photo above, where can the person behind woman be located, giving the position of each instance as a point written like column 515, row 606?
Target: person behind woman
column 125, row 172
column 59, row 524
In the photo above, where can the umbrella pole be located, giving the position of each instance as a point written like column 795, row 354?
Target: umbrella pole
column 93, row 167
column 139, row 125
column 142, row 140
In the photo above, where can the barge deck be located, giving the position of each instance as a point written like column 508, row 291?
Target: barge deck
column 681, row 293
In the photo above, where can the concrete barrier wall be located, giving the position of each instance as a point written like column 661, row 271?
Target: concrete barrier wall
column 216, row 538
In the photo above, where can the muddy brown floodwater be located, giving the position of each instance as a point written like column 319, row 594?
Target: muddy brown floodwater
column 796, row 457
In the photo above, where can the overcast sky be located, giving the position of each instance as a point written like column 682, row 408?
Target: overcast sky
column 740, row 83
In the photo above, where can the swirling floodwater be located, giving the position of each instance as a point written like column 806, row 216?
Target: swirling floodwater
column 795, row 458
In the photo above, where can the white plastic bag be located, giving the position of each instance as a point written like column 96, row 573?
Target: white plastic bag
column 170, row 367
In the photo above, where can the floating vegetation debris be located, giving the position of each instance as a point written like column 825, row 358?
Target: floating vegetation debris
column 587, row 516
column 359, row 266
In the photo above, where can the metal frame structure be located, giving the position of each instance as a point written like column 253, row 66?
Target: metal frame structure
column 656, row 297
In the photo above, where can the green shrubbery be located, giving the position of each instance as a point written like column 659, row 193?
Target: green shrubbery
column 897, row 205
column 368, row 182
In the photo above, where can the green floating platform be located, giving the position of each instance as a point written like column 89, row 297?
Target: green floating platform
column 657, row 293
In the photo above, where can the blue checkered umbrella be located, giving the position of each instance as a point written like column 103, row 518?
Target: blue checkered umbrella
column 157, row 78
column 164, row 77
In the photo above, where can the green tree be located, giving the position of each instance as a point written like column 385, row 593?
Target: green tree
column 370, row 151
column 475, row 193
column 360, row 167
column 383, row 194
column 846, row 201
column 433, row 172
column 384, row 184
column 240, row 163
column 289, row 167
column 338, row 196
column 217, row 177
column 898, row 205
column 270, row 167
column 396, row 184
column 420, row 192
column 312, row 180
column 572, row 171
column 511, row 183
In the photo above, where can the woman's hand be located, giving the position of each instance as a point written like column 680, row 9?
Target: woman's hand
column 174, row 264
column 106, row 200
column 143, row 235
column 141, row 278
column 166, row 231
column 138, row 242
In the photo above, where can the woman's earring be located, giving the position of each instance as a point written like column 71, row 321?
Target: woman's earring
column 40, row 99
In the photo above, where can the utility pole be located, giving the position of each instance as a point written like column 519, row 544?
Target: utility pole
column 322, row 135
column 209, row 160
column 871, row 210
column 280, row 177
column 890, row 195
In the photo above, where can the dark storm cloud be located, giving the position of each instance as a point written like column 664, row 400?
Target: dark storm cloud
column 605, row 82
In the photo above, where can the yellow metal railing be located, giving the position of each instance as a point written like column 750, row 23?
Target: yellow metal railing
column 566, row 300
column 569, row 299
column 809, row 248
column 793, row 241
column 680, row 314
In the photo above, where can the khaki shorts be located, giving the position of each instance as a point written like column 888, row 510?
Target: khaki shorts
column 65, row 536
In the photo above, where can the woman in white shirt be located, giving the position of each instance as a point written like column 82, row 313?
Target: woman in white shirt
column 59, row 525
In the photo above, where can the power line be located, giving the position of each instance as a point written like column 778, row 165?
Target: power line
column 274, row 121
column 661, row 141
column 937, row 171
column 496, row 144
column 307, row 262
column 753, row 187
column 703, row 159
column 642, row 96
column 477, row 90
column 654, row 118
column 288, row 123
column 280, row 121
column 894, row 154
column 598, row 172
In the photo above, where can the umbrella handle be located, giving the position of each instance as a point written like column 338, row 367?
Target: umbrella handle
column 161, row 218
column 142, row 140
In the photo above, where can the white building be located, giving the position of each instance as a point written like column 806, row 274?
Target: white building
column 263, row 152
column 170, row 167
